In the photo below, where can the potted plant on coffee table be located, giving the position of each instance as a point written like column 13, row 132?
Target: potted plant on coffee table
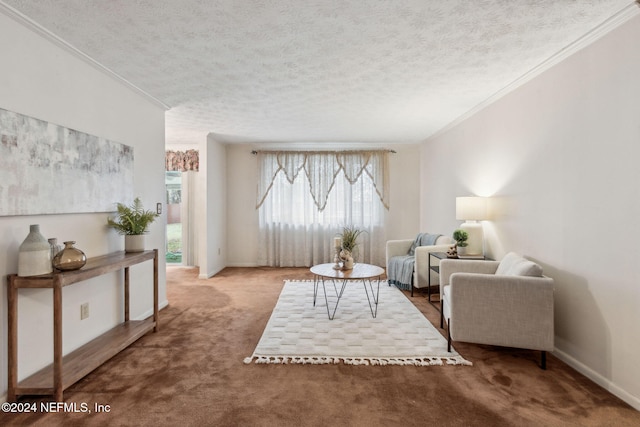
column 349, row 238
column 133, row 222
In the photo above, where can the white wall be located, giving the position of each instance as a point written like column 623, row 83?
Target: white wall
column 560, row 154
column 242, row 177
column 403, row 217
column 213, row 207
column 242, row 226
column 42, row 80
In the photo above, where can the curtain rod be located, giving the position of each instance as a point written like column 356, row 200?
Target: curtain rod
column 316, row 151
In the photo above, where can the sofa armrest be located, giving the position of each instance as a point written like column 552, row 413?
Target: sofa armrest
column 397, row 248
column 450, row 266
column 511, row 311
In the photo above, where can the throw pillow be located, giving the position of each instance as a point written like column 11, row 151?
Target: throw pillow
column 515, row 265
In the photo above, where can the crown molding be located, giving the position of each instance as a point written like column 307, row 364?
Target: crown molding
column 624, row 15
column 40, row 30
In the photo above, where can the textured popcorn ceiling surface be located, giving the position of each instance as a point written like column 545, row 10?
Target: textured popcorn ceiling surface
column 318, row 70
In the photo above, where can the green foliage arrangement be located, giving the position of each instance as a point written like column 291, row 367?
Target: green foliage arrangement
column 133, row 219
column 460, row 236
column 349, row 237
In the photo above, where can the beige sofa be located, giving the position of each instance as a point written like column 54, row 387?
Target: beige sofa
column 507, row 303
column 421, row 269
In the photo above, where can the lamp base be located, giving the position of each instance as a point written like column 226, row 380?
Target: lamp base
column 475, row 245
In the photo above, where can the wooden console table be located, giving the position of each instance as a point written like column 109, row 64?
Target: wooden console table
column 67, row 370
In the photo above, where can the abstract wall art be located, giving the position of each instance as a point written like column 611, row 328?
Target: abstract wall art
column 49, row 169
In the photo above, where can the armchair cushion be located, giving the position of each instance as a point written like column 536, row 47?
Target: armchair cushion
column 515, row 265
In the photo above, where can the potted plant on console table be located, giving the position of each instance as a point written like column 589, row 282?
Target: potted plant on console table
column 133, row 222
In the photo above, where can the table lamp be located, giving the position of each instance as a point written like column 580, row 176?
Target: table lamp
column 472, row 210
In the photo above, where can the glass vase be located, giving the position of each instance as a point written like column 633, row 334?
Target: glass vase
column 55, row 247
column 69, row 258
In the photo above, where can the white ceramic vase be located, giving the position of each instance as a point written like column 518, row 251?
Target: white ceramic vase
column 34, row 254
column 348, row 263
column 347, row 259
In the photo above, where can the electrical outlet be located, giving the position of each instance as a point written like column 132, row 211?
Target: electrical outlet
column 84, row 311
column 158, row 208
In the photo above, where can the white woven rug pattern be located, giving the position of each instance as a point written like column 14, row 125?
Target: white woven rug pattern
column 298, row 332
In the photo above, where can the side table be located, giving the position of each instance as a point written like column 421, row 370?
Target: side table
column 435, row 267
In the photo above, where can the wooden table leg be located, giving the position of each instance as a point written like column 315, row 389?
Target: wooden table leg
column 12, row 340
column 57, row 339
column 126, row 294
column 155, row 290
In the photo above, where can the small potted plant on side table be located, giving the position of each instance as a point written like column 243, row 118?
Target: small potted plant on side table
column 133, row 222
column 461, row 236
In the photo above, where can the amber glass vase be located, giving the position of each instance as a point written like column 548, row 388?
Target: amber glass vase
column 69, row 258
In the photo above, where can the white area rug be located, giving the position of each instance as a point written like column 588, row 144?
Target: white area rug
column 298, row 332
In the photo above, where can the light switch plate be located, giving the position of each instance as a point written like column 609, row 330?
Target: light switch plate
column 84, row 311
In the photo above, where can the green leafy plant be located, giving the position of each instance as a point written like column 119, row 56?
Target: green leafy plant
column 460, row 236
column 133, row 219
column 349, row 237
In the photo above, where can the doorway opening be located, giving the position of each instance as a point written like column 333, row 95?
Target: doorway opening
column 173, row 182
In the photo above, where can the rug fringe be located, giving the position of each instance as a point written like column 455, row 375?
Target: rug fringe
column 377, row 361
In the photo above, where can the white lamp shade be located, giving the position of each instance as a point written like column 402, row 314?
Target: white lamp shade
column 472, row 208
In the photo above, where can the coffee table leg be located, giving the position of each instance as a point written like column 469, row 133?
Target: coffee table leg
column 338, row 295
column 326, row 300
column 315, row 289
column 375, row 296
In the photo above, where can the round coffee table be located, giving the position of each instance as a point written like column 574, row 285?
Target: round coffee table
column 364, row 272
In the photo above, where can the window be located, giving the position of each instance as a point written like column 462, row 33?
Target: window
column 305, row 199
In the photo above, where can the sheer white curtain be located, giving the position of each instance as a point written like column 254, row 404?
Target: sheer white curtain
column 305, row 198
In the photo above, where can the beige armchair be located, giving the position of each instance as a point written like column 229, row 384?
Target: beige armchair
column 507, row 303
column 421, row 266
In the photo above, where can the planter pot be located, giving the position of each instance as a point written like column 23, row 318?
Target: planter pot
column 348, row 264
column 134, row 243
column 347, row 259
column 462, row 250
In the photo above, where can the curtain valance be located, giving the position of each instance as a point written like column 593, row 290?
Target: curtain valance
column 321, row 169
column 182, row 161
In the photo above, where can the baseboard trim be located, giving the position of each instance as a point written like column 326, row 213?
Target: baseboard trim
column 244, row 264
column 149, row 312
column 598, row 379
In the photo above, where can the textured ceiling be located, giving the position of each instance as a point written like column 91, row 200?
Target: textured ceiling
column 318, row 70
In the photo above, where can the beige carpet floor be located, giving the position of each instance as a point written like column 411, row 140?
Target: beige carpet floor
column 191, row 373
